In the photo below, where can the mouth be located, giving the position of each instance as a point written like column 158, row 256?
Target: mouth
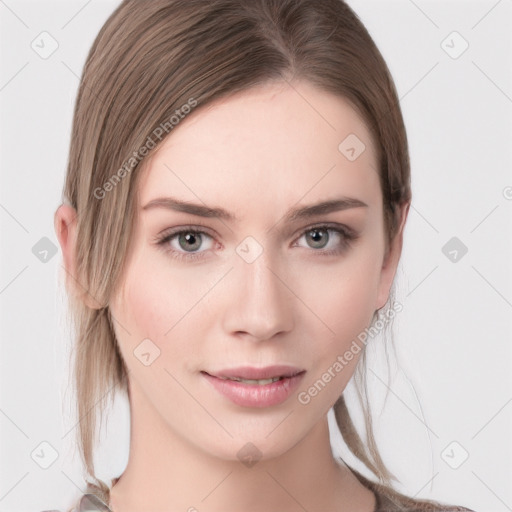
column 253, row 382
column 256, row 387
column 253, row 375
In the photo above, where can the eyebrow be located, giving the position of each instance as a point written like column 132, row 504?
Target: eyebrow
column 295, row 214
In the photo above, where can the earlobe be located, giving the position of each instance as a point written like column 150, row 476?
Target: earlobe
column 390, row 263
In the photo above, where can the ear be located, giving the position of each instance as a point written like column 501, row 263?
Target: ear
column 391, row 259
column 65, row 223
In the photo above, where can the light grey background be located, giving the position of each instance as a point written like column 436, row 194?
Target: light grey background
column 453, row 337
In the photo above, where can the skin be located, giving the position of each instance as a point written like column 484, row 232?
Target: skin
column 256, row 154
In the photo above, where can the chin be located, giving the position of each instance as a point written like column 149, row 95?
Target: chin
column 260, row 443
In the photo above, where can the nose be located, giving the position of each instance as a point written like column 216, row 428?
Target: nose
column 259, row 303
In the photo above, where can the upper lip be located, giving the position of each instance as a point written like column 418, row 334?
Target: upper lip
column 253, row 373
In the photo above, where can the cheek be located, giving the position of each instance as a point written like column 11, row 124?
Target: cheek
column 348, row 314
column 142, row 309
column 353, row 299
column 157, row 307
column 164, row 307
column 343, row 297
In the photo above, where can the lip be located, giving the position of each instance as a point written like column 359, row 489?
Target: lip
column 255, row 395
column 251, row 372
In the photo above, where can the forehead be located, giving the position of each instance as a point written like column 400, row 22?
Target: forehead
column 272, row 145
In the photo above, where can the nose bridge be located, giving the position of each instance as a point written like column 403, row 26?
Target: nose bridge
column 260, row 304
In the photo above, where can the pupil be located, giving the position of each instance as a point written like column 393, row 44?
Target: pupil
column 317, row 235
column 188, row 241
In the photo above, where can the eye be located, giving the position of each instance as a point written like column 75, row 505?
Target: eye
column 333, row 237
column 185, row 243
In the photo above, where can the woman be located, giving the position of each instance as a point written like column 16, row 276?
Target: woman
column 232, row 221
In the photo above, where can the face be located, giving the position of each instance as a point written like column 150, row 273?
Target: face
column 253, row 287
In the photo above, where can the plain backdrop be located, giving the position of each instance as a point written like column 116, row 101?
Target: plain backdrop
column 444, row 419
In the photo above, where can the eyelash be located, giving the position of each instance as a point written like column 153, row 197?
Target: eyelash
column 347, row 235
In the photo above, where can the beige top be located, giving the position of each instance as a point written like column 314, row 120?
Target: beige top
column 387, row 500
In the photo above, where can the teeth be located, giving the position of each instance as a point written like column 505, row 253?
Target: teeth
column 259, row 382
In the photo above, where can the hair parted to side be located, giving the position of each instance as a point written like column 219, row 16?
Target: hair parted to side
column 148, row 60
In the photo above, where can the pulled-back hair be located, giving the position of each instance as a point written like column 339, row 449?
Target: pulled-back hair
column 150, row 59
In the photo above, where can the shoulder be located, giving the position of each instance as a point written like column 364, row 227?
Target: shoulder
column 91, row 503
column 95, row 499
column 86, row 503
column 389, row 500
column 394, row 502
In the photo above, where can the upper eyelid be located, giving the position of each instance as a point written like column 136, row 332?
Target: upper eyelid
column 206, row 229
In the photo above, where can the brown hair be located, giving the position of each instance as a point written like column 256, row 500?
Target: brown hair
column 150, row 59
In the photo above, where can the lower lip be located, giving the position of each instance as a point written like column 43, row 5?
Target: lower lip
column 254, row 395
